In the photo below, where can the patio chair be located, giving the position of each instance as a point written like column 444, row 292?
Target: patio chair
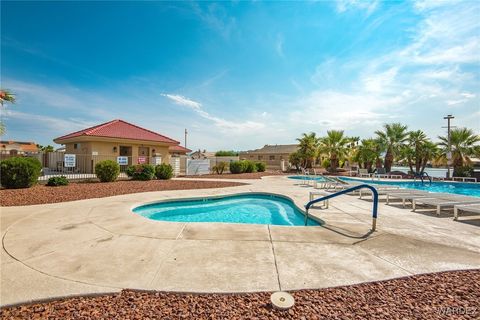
column 363, row 173
column 473, row 208
column 445, row 202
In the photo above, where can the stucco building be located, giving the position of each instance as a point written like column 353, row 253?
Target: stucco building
column 271, row 155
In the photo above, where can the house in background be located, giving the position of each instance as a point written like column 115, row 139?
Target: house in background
column 199, row 154
column 177, row 151
column 20, row 148
column 115, row 140
column 271, row 155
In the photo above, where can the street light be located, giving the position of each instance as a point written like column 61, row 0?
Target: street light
column 449, row 150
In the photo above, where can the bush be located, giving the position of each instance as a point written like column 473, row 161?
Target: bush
column 142, row 172
column 226, row 153
column 465, row 171
column 19, row 172
column 107, row 170
column 220, row 167
column 57, row 181
column 250, row 166
column 326, row 163
column 164, row 171
column 260, row 166
column 237, row 167
column 130, row 171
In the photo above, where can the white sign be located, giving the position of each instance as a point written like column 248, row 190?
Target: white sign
column 69, row 160
column 94, row 153
column 123, row 161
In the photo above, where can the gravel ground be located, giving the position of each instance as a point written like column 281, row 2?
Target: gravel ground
column 41, row 194
column 446, row 295
column 255, row 175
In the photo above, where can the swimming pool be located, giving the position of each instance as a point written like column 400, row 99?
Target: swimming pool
column 253, row 208
column 318, row 178
column 469, row 189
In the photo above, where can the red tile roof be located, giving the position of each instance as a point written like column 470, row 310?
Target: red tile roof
column 179, row 149
column 121, row 130
column 23, row 146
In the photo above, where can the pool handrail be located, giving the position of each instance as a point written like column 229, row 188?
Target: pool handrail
column 421, row 176
column 339, row 193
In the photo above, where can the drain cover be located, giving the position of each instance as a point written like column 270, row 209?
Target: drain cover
column 282, row 300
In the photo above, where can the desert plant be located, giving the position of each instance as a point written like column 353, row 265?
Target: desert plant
column 19, row 172
column 260, row 166
column 464, row 171
column 164, row 171
column 57, row 181
column 220, row 167
column 250, row 166
column 107, row 170
column 142, row 172
column 237, row 167
column 326, row 163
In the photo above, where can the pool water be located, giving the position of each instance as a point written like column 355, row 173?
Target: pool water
column 251, row 208
column 468, row 189
column 318, row 178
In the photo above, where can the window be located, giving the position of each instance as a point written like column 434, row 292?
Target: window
column 260, row 157
column 76, row 145
column 272, row 157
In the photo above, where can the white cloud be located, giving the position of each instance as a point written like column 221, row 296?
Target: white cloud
column 181, row 100
column 368, row 5
column 279, row 45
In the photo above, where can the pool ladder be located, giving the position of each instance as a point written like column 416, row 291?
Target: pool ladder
column 336, row 194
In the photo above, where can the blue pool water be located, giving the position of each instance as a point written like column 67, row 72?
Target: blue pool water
column 318, row 178
column 468, row 189
column 251, row 208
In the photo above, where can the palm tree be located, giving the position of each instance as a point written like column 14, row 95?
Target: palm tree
column 464, row 144
column 308, row 148
column 368, row 153
column 413, row 150
column 334, row 145
column 5, row 96
column 430, row 151
column 392, row 140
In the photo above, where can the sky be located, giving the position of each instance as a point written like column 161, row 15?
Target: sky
column 239, row 75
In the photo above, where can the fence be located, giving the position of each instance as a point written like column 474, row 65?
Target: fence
column 82, row 166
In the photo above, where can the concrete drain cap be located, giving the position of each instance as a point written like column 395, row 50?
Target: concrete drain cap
column 282, row 300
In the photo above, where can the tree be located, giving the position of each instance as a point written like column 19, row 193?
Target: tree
column 226, row 153
column 392, row 140
column 464, row 144
column 368, row 153
column 308, row 149
column 413, row 150
column 334, row 145
column 5, row 96
column 295, row 159
column 48, row 148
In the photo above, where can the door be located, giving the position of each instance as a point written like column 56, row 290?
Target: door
column 143, row 154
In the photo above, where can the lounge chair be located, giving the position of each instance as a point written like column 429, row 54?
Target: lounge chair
column 474, row 208
column 380, row 189
column 363, row 173
column 445, row 202
column 403, row 194
column 464, row 179
column 381, row 173
column 314, row 194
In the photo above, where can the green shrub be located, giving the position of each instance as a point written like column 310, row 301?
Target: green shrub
column 237, row 167
column 107, row 170
column 142, row 172
column 130, row 171
column 19, row 172
column 226, row 153
column 57, row 181
column 250, row 166
column 220, row 167
column 164, row 171
column 260, row 166
column 465, row 171
column 326, row 163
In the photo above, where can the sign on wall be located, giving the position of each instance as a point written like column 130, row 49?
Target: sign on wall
column 69, row 160
column 123, row 161
column 142, row 160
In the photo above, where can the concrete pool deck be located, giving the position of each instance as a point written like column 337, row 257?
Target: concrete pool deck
column 99, row 245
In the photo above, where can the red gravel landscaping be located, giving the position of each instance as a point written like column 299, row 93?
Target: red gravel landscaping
column 254, row 175
column 41, row 194
column 445, row 295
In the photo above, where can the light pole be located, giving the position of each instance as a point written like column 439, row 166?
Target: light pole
column 449, row 150
column 185, row 137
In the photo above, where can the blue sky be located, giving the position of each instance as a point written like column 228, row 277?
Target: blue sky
column 240, row 74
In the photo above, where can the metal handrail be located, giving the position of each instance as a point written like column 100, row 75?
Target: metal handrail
column 421, row 176
column 336, row 194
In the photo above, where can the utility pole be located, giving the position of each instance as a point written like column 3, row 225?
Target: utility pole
column 186, row 137
column 449, row 151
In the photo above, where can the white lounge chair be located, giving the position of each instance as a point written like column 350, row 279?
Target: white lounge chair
column 440, row 203
column 474, row 208
column 363, row 173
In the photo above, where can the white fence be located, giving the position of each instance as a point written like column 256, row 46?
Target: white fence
column 198, row 167
column 175, row 163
